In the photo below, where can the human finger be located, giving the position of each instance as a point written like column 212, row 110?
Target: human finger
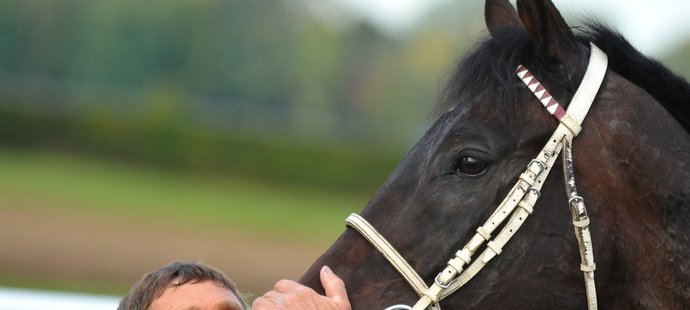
column 334, row 287
column 264, row 303
column 285, row 286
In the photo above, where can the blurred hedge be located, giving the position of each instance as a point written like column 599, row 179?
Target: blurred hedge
column 353, row 168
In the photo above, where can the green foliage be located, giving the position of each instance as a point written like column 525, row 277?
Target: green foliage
column 271, row 63
column 165, row 144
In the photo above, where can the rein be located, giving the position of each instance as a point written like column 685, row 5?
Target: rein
column 517, row 205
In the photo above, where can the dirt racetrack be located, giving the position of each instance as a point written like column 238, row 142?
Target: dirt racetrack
column 112, row 253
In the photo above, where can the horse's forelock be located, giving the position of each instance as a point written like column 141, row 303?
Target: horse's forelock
column 487, row 74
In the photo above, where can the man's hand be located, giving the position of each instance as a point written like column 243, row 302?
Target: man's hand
column 287, row 295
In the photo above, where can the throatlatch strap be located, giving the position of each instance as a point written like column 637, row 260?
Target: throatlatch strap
column 580, row 224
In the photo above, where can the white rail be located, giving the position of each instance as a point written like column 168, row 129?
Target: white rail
column 30, row 299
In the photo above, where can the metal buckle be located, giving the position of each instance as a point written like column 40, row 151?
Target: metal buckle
column 539, row 163
column 535, row 191
column 443, row 286
column 399, row 307
column 576, row 198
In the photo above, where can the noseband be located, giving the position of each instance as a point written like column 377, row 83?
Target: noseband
column 518, row 204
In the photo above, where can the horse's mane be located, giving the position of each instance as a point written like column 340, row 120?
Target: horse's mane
column 490, row 69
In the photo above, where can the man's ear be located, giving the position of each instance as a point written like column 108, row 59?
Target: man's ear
column 550, row 35
column 499, row 14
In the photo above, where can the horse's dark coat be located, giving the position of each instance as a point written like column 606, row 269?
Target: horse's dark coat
column 632, row 164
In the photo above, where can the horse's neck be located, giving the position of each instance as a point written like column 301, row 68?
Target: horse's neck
column 642, row 143
column 660, row 155
column 645, row 164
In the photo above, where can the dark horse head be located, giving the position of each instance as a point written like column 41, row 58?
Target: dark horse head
column 632, row 166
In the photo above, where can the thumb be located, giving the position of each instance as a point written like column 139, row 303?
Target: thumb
column 334, row 287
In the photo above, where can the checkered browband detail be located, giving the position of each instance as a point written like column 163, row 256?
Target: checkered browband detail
column 552, row 106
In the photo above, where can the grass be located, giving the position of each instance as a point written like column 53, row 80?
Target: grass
column 91, row 185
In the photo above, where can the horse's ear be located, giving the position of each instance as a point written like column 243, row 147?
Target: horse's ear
column 549, row 33
column 499, row 14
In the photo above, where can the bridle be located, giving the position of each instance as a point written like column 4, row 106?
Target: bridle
column 518, row 204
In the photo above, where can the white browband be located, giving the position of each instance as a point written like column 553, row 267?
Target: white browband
column 517, row 205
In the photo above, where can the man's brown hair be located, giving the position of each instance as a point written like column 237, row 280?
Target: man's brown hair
column 152, row 285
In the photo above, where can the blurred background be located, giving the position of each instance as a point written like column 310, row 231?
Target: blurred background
column 237, row 133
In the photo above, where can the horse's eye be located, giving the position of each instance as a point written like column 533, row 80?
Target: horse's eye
column 469, row 166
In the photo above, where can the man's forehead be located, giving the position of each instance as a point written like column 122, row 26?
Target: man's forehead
column 205, row 295
column 223, row 305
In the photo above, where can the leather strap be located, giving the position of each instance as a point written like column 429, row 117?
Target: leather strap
column 545, row 160
column 394, row 258
column 589, row 87
column 518, row 217
column 580, row 224
column 584, row 95
column 401, row 265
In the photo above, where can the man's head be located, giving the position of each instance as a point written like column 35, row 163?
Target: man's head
column 184, row 285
